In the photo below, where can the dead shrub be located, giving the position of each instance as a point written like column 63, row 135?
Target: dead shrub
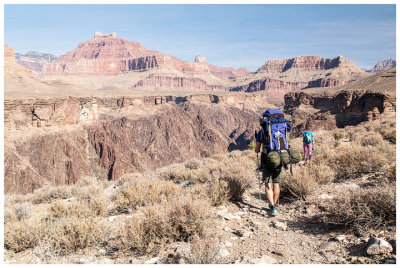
column 20, row 235
column 22, row 211
column 146, row 193
column 218, row 191
column 389, row 135
column 366, row 208
column 68, row 235
column 176, row 172
column 300, row 184
column 176, row 220
column 339, row 134
column 238, row 180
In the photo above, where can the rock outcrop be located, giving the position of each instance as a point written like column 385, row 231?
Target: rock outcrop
column 383, row 65
column 367, row 99
column 34, row 61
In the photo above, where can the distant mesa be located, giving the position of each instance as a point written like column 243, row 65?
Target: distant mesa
column 104, row 35
column 383, row 65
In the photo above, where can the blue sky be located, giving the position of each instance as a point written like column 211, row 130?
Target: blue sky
column 227, row 35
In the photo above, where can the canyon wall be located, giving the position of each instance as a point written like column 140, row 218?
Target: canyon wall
column 58, row 141
column 368, row 99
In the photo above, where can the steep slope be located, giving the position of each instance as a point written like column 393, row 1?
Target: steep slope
column 363, row 100
column 383, row 65
column 299, row 73
column 109, row 137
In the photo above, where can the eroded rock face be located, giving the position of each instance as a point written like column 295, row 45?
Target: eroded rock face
column 225, row 73
column 360, row 101
column 109, row 137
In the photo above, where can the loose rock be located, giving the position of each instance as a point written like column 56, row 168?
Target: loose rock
column 280, row 225
column 378, row 246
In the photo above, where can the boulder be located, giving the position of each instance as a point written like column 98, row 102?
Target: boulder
column 377, row 246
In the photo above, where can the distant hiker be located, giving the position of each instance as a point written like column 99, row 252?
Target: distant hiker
column 273, row 138
column 34, row 115
column 308, row 142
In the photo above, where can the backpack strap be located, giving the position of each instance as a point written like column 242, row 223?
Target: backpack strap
column 270, row 135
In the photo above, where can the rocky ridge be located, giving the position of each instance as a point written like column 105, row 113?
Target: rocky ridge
column 383, row 65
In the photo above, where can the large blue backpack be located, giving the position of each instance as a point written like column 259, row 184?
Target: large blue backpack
column 275, row 128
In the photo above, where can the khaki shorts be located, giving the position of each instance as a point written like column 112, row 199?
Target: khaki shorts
column 271, row 175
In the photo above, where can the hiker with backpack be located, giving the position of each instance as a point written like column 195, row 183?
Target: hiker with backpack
column 275, row 153
column 308, row 144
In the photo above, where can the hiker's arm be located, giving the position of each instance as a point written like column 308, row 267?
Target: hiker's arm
column 258, row 146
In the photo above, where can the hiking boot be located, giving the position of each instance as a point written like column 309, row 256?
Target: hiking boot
column 272, row 212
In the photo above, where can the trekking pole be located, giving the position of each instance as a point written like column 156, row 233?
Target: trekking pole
column 258, row 172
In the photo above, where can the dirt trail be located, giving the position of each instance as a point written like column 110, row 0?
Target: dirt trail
column 296, row 235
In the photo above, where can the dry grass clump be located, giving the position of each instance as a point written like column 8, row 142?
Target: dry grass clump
column 22, row 234
column 174, row 220
column 146, row 193
column 366, row 208
column 75, row 233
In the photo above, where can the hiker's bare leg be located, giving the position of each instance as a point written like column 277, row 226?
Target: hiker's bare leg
column 276, row 192
column 270, row 193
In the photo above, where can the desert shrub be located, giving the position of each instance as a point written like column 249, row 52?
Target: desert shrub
column 370, row 139
column 68, row 235
column 353, row 159
column 218, row 191
column 193, row 164
column 174, row 220
column 47, row 194
column 390, row 173
column 300, row 184
column 146, row 193
column 23, row 210
column 22, row 234
column 389, row 135
column 176, row 172
column 339, row 134
column 238, row 180
column 129, row 179
column 94, row 206
column 366, row 208
column 87, row 191
column 202, row 251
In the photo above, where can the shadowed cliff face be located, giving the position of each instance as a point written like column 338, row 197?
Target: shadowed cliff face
column 175, row 134
column 89, row 143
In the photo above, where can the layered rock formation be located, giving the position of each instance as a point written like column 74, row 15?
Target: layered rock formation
column 11, row 68
column 367, row 99
column 383, row 65
column 108, row 54
column 34, row 61
column 299, row 73
column 69, row 138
